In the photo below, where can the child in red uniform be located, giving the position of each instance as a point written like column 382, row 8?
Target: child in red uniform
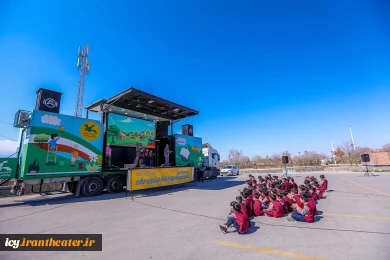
column 257, row 206
column 288, row 201
column 324, row 183
column 279, row 197
column 304, row 214
column 265, row 198
column 285, row 185
column 275, row 209
column 296, row 199
column 240, row 222
column 242, row 204
column 293, row 184
column 248, row 202
column 318, row 190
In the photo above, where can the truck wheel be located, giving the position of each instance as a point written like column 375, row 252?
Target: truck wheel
column 92, row 187
column 74, row 186
column 115, row 184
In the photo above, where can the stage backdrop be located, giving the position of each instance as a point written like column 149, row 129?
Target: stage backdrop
column 128, row 131
column 158, row 177
column 188, row 150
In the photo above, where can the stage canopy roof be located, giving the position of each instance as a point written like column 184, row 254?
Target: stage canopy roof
column 136, row 103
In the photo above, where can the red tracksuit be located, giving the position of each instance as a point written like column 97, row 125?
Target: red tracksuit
column 294, row 185
column 315, row 195
column 312, row 211
column 288, row 203
column 242, row 221
column 320, row 193
column 249, row 207
column 297, row 199
column 243, row 208
column 284, row 206
column 325, row 185
column 286, row 186
column 277, row 210
column 257, row 209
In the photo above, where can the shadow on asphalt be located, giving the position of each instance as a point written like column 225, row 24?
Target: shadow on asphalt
column 219, row 183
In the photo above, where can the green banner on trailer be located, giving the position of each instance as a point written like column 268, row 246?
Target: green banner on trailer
column 8, row 168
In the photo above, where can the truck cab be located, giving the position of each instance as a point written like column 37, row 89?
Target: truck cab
column 211, row 157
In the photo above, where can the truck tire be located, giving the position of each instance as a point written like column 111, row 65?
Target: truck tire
column 92, row 187
column 115, row 184
column 74, row 186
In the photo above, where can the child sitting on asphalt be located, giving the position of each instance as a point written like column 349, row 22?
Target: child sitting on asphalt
column 248, row 202
column 304, row 214
column 275, row 209
column 279, row 197
column 293, row 184
column 318, row 190
column 240, row 221
column 288, row 201
column 265, row 199
column 242, row 204
column 323, row 183
column 257, row 205
column 285, row 185
column 231, row 211
column 296, row 199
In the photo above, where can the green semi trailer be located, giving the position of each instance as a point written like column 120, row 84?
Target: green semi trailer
column 60, row 149
column 69, row 152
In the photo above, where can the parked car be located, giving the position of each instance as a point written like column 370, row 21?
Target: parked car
column 230, row 170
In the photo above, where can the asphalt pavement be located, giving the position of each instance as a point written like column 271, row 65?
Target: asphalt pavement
column 183, row 223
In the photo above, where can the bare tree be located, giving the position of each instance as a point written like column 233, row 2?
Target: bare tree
column 276, row 160
column 235, row 157
column 256, row 159
column 386, row 147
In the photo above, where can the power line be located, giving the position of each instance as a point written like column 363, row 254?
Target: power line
column 8, row 138
column 4, row 122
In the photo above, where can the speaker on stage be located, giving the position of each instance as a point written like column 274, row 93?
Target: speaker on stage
column 285, row 159
column 48, row 100
column 187, row 130
column 365, row 157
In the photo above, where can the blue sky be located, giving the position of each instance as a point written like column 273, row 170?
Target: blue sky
column 266, row 76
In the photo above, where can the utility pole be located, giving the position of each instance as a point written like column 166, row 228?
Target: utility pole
column 353, row 144
column 83, row 67
column 334, row 159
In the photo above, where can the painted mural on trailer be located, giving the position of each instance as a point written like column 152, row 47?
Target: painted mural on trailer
column 128, row 131
column 188, row 150
column 59, row 143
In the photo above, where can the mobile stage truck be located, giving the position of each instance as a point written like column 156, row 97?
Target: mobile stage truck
column 87, row 156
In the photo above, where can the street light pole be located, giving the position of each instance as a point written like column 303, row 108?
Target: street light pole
column 300, row 163
column 334, row 159
column 353, row 143
column 305, row 157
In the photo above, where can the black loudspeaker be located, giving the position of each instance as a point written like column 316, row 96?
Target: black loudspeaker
column 365, row 157
column 187, row 130
column 285, row 159
column 162, row 129
column 48, row 100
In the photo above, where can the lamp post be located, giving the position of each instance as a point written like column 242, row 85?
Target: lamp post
column 305, row 157
column 300, row 161
column 333, row 160
column 353, row 144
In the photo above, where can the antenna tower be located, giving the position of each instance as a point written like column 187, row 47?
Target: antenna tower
column 83, row 67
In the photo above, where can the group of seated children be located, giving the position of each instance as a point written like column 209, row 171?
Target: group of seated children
column 275, row 198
